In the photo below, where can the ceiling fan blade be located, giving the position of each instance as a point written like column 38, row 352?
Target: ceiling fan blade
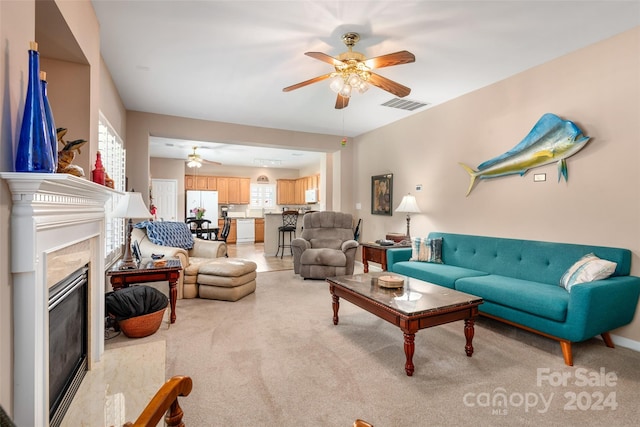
column 396, row 58
column 341, row 102
column 324, row 58
column 306, row 82
column 210, row 162
column 389, row 85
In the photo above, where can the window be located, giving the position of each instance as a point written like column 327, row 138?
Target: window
column 263, row 196
column 114, row 161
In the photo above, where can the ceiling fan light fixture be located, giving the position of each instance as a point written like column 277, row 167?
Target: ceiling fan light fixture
column 345, row 91
column 194, row 164
column 353, row 80
column 347, row 79
column 337, row 82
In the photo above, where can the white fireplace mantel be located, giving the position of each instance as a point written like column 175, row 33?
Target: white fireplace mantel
column 50, row 212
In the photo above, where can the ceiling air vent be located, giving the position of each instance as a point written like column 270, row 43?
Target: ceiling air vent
column 404, row 104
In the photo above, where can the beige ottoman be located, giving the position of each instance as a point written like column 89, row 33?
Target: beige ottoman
column 227, row 279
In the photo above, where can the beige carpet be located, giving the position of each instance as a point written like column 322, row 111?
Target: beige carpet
column 275, row 358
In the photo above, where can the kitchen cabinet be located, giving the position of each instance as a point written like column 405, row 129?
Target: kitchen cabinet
column 194, row 182
column 234, row 191
column 231, row 190
column 259, row 230
column 245, row 191
column 291, row 191
column 223, row 190
column 212, row 183
column 286, row 192
column 189, row 182
column 300, row 187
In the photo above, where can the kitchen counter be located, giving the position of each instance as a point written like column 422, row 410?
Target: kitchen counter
column 271, row 223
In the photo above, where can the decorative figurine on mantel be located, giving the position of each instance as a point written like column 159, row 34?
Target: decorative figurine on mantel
column 68, row 153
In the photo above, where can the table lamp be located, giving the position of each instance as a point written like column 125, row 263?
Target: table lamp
column 130, row 206
column 408, row 205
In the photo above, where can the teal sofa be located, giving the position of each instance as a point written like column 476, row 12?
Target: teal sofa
column 519, row 282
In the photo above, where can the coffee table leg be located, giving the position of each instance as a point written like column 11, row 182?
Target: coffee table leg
column 468, row 333
column 336, row 307
column 409, row 348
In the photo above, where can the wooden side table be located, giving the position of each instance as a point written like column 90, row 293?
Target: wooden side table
column 147, row 272
column 376, row 253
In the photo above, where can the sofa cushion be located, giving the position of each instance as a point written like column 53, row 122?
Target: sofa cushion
column 324, row 256
column 227, row 267
column 425, row 249
column 540, row 299
column 194, row 265
column 587, row 269
column 168, row 233
column 440, row 274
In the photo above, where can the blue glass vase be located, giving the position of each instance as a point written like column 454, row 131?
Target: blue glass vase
column 34, row 146
column 50, row 123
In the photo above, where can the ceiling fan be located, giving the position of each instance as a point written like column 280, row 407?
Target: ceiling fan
column 194, row 160
column 353, row 72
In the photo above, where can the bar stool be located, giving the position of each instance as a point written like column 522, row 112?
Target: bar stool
column 289, row 224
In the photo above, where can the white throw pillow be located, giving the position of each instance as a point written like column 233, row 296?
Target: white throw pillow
column 587, row 269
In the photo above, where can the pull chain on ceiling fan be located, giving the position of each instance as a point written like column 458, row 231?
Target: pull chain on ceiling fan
column 353, row 72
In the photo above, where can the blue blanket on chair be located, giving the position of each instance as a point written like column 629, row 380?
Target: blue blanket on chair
column 168, row 233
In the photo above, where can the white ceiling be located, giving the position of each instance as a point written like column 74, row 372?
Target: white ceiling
column 229, row 60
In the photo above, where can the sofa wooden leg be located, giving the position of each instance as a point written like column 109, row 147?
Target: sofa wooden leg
column 607, row 339
column 566, row 352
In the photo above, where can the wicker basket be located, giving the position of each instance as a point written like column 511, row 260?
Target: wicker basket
column 142, row 326
column 391, row 281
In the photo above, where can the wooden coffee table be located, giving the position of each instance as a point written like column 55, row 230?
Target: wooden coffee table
column 417, row 305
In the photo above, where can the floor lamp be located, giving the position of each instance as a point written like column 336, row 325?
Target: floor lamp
column 408, row 205
column 130, row 206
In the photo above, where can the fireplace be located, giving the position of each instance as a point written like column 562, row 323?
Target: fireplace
column 57, row 227
column 68, row 340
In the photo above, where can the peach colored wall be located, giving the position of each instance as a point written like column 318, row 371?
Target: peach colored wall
column 67, row 86
column 17, row 28
column 111, row 105
column 597, row 87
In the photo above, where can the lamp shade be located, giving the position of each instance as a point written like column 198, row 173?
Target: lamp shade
column 408, row 205
column 131, row 206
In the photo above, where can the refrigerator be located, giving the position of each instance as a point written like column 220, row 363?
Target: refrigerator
column 205, row 199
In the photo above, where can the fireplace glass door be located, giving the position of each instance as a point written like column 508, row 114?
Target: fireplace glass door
column 67, row 341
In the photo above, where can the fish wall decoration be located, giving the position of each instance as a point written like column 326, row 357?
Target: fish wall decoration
column 551, row 140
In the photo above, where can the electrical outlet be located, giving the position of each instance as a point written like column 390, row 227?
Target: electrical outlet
column 418, row 187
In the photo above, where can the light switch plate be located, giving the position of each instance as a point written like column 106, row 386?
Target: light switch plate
column 539, row 177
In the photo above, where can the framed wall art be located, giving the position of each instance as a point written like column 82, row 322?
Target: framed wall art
column 382, row 194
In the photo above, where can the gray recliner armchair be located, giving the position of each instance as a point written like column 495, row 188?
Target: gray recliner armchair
column 326, row 247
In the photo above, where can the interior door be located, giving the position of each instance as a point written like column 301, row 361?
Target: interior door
column 165, row 198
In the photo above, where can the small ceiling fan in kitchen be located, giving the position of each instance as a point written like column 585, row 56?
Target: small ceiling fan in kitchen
column 353, row 72
column 194, row 160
